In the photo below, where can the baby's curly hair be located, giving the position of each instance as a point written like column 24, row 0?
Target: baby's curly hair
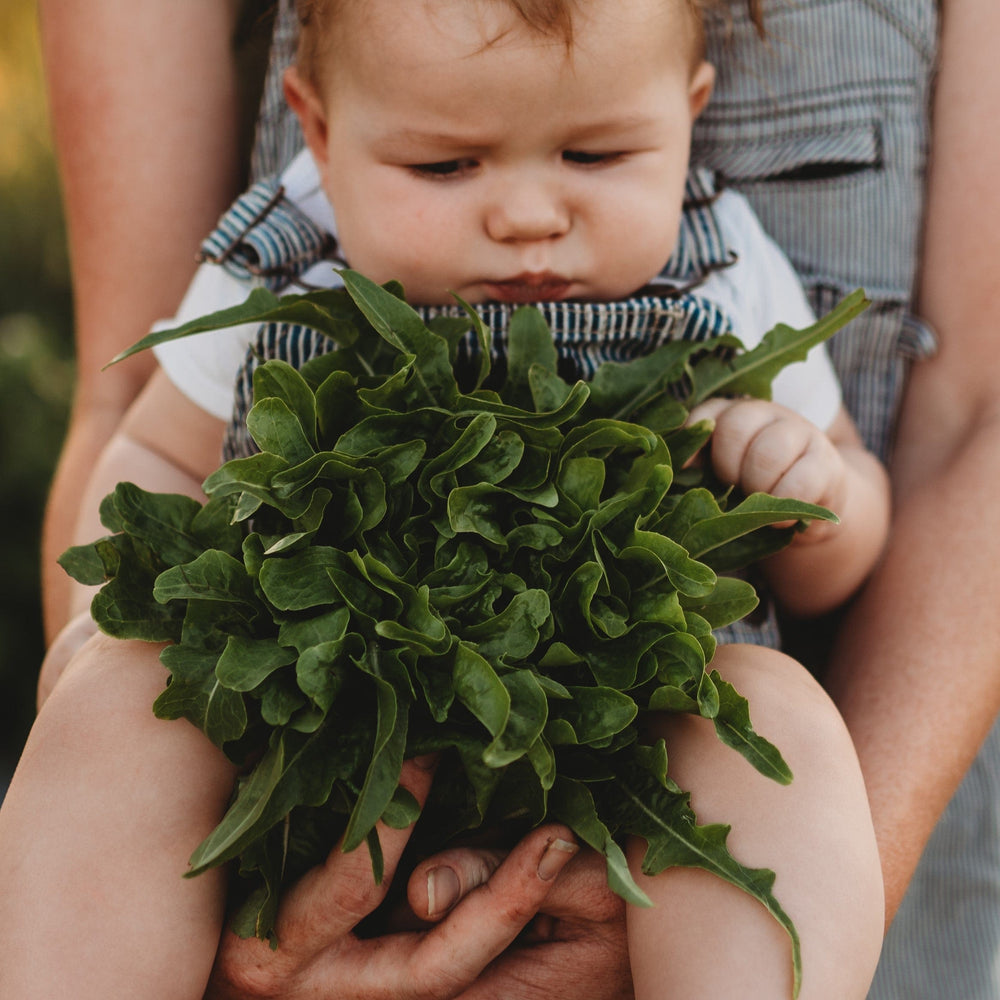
column 547, row 17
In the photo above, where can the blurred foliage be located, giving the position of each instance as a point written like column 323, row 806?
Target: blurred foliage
column 35, row 358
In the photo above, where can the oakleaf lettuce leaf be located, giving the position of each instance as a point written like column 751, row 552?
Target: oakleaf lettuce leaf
column 509, row 576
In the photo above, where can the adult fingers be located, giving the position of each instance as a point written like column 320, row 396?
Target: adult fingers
column 439, row 882
column 577, row 945
column 315, row 919
column 581, row 894
column 590, row 966
column 482, row 925
column 331, row 899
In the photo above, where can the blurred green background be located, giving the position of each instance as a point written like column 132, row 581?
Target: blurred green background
column 36, row 371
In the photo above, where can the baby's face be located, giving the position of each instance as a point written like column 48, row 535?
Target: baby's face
column 514, row 170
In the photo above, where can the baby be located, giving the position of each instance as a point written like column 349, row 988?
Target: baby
column 508, row 151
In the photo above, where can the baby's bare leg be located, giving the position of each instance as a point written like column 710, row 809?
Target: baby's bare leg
column 707, row 939
column 105, row 807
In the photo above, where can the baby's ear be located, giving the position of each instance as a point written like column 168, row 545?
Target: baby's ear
column 700, row 87
column 303, row 98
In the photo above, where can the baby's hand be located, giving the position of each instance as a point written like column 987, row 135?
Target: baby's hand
column 762, row 446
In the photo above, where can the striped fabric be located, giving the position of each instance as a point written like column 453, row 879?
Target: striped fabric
column 265, row 239
column 824, row 130
column 278, row 136
column 585, row 335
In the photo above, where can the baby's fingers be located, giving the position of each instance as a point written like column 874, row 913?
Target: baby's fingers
column 755, row 441
column 711, row 409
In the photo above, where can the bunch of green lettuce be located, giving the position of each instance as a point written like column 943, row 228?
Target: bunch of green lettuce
column 510, row 577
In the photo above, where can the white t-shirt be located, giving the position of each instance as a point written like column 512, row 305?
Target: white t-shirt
column 759, row 291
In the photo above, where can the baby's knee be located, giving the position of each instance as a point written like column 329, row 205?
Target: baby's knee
column 787, row 704
column 107, row 682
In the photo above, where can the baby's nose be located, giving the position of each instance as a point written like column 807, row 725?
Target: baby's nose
column 525, row 210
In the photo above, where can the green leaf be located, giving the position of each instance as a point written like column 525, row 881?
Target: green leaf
column 260, row 307
column 252, row 475
column 277, row 430
column 672, row 561
column 513, row 634
column 84, row 564
column 619, row 390
column 382, row 777
column 161, row 520
column 528, row 713
column 295, row 770
column 478, row 687
column 595, row 713
column 402, row 327
column 752, row 372
column 731, row 600
column 732, row 723
column 213, row 576
column 301, row 581
column 217, row 711
column 571, row 803
column 245, row 663
column 402, row 811
column 124, row 607
column 663, row 817
column 529, row 344
column 280, row 380
column 484, row 340
column 757, row 511
column 320, row 669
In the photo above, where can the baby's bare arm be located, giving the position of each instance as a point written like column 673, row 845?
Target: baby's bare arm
column 763, row 446
column 165, row 443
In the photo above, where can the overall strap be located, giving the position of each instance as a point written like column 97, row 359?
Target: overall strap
column 265, row 239
column 700, row 247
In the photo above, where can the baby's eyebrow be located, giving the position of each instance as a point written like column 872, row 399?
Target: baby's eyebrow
column 620, row 125
column 583, row 130
column 409, row 135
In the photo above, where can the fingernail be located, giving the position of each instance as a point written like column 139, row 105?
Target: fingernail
column 554, row 859
column 442, row 890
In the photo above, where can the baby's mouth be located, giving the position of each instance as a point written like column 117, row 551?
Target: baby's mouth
column 530, row 287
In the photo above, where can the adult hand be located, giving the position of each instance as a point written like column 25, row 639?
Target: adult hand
column 320, row 956
column 575, row 946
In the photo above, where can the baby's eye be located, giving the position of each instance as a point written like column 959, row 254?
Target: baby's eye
column 444, row 168
column 586, row 159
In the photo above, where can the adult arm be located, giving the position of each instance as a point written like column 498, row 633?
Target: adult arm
column 144, row 116
column 917, row 670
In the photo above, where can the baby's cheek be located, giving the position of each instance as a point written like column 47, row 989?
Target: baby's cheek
column 634, row 249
